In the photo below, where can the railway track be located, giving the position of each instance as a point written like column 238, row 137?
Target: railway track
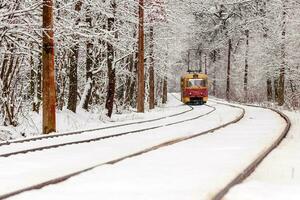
column 146, row 150
column 93, row 129
column 97, row 138
column 255, row 163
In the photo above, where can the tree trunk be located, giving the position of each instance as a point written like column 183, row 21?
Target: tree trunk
column 228, row 70
column 73, row 84
column 205, row 64
column 111, row 73
column 38, row 99
column 200, row 61
column 49, row 93
column 133, row 90
column 32, row 81
column 141, row 75
column 110, row 92
column 269, row 89
column 89, row 75
column 281, row 86
column 214, row 59
column 246, row 67
column 129, row 80
column 151, row 70
column 62, row 80
column 276, row 90
column 165, row 90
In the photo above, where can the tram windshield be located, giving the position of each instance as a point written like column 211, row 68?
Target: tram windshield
column 197, row 83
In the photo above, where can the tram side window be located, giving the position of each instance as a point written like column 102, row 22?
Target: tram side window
column 197, row 82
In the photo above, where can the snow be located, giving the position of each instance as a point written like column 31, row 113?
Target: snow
column 22, row 170
column 278, row 177
column 193, row 169
column 67, row 121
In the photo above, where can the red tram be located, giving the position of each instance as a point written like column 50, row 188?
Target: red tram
column 194, row 88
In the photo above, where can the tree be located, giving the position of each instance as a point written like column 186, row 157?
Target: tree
column 86, row 96
column 228, row 70
column 73, row 76
column 111, row 70
column 246, row 65
column 140, row 70
column 49, row 94
column 151, row 71
column 281, row 81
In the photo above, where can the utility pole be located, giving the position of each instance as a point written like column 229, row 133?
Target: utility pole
column 140, row 70
column 49, row 94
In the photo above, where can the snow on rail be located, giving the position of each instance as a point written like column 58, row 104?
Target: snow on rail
column 193, row 169
column 86, row 155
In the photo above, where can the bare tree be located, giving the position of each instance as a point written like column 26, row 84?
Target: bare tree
column 246, row 66
column 111, row 70
column 151, row 70
column 281, row 87
column 228, row 69
column 73, row 76
column 89, row 65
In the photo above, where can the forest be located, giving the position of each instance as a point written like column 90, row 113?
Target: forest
column 116, row 56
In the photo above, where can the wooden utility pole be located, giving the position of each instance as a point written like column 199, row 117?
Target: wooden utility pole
column 49, row 94
column 151, row 70
column 140, row 70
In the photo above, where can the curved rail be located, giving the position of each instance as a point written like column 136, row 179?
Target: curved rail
column 253, row 165
column 90, row 130
column 108, row 136
column 111, row 162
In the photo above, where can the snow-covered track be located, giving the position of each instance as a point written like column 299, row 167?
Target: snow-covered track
column 254, row 164
column 93, row 129
column 97, row 138
column 138, row 153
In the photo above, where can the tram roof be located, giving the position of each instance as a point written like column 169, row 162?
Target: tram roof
column 195, row 75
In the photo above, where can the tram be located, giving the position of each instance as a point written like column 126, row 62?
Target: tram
column 194, row 88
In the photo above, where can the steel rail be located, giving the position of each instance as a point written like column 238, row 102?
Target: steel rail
column 111, row 162
column 93, row 129
column 41, row 148
column 254, row 164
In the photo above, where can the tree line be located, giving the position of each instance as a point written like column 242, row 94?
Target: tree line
column 81, row 54
column 249, row 48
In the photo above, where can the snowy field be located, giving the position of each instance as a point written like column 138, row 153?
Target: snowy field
column 194, row 169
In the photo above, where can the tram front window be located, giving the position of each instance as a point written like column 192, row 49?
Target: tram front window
column 197, row 83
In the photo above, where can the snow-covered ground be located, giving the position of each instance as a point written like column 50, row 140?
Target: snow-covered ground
column 22, row 170
column 31, row 123
column 194, row 169
column 278, row 177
